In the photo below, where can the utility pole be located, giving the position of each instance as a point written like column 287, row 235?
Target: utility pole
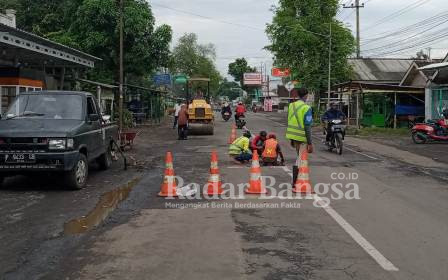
column 329, row 69
column 120, row 102
column 358, row 36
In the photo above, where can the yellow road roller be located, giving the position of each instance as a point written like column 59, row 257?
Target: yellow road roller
column 200, row 112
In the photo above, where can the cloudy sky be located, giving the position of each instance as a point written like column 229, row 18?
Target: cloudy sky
column 236, row 27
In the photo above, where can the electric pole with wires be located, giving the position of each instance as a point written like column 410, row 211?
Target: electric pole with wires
column 358, row 37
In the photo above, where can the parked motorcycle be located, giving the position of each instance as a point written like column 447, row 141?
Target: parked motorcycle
column 337, row 136
column 241, row 122
column 226, row 116
column 430, row 131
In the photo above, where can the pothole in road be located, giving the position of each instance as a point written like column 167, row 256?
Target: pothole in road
column 108, row 202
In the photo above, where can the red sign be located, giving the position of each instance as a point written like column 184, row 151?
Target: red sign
column 281, row 72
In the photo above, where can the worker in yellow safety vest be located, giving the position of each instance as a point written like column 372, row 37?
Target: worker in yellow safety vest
column 272, row 151
column 239, row 149
column 300, row 120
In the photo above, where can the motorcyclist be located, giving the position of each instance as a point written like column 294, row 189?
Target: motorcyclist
column 226, row 108
column 239, row 111
column 333, row 113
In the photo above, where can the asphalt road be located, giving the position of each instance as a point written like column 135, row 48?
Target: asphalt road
column 395, row 229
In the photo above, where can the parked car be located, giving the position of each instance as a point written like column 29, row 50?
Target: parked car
column 55, row 131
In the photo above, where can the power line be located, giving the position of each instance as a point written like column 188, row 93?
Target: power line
column 436, row 37
column 208, row 18
column 398, row 13
column 408, row 29
column 395, row 43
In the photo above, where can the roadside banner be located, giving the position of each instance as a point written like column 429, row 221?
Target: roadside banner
column 281, row 72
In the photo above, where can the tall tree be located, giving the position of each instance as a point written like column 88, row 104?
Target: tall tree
column 238, row 68
column 229, row 88
column 92, row 26
column 195, row 60
column 296, row 44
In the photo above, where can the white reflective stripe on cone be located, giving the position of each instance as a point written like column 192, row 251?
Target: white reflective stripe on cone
column 214, row 178
column 169, row 179
column 255, row 176
column 214, row 165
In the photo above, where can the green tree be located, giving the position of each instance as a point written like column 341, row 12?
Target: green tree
column 238, row 68
column 92, row 26
column 230, row 89
column 195, row 60
column 295, row 43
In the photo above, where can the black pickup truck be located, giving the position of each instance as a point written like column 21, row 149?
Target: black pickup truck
column 55, row 131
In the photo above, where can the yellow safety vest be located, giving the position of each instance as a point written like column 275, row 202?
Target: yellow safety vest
column 296, row 121
column 238, row 146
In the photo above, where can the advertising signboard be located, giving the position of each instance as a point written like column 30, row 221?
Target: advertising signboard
column 253, row 79
column 281, row 72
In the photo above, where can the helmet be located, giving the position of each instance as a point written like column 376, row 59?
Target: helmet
column 247, row 134
column 263, row 133
column 272, row 136
column 240, row 102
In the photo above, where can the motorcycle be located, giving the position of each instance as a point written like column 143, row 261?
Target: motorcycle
column 241, row 122
column 431, row 130
column 226, row 116
column 337, row 136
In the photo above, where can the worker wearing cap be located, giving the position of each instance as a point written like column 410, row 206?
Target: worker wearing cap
column 239, row 149
column 300, row 120
column 272, row 151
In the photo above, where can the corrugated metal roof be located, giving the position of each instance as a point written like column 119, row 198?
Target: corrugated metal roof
column 379, row 69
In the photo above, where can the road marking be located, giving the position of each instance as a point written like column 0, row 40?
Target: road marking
column 355, row 235
column 347, row 148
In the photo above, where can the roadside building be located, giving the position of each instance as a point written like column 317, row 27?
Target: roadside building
column 29, row 62
column 436, row 93
column 377, row 95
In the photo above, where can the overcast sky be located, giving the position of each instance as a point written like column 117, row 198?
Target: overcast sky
column 237, row 28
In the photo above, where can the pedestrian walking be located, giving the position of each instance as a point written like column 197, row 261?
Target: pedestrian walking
column 182, row 123
column 176, row 113
column 300, row 120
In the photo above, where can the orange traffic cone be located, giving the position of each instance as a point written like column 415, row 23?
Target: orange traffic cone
column 214, row 182
column 255, row 186
column 232, row 135
column 303, row 184
column 169, row 188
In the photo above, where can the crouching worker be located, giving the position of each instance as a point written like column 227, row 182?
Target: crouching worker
column 239, row 149
column 272, row 151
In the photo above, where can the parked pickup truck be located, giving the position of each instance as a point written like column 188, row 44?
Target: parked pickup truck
column 55, row 131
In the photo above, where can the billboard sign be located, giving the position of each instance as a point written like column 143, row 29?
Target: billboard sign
column 281, row 72
column 162, row 80
column 253, row 79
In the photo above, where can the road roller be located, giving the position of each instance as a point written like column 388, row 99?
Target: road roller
column 200, row 112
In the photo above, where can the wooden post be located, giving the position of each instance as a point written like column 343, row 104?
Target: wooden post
column 357, row 110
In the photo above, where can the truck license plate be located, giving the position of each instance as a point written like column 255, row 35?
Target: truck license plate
column 20, row 158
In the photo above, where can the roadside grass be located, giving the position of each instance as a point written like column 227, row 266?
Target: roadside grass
column 377, row 132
